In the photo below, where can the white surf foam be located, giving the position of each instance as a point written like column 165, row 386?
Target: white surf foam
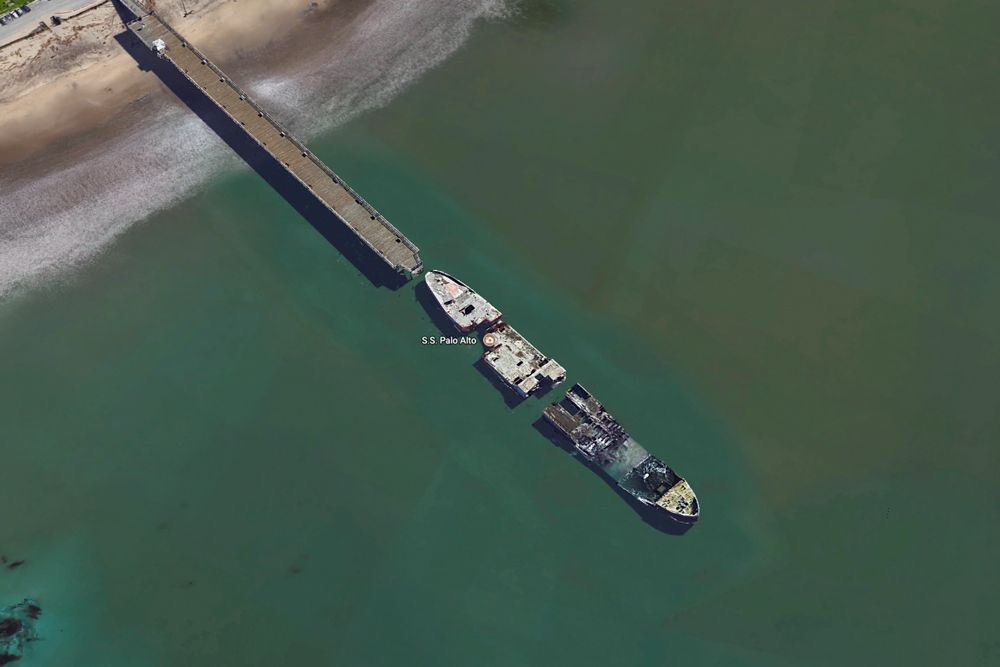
column 61, row 221
column 391, row 44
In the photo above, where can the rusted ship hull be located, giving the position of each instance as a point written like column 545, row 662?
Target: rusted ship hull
column 466, row 309
column 607, row 446
column 518, row 363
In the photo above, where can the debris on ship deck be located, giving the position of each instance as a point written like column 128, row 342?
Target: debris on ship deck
column 519, row 363
column 605, row 443
column 462, row 304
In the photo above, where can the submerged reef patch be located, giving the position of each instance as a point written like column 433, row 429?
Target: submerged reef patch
column 17, row 629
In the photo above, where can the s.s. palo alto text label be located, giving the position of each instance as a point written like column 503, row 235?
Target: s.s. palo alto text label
column 448, row 340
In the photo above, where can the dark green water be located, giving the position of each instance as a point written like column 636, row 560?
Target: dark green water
column 764, row 235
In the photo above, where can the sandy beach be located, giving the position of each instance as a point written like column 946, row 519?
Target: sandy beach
column 69, row 80
column 90, row 144
column 763, row 234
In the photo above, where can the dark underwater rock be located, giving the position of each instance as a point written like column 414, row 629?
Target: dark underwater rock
column 17, row 629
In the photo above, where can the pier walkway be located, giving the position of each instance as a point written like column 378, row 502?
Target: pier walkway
column 368, row 224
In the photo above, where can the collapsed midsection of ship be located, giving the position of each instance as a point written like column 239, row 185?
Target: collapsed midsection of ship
column 604, row 442
column 579, row 416
column 519, row 363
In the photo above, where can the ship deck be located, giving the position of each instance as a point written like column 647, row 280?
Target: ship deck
column 520, row 363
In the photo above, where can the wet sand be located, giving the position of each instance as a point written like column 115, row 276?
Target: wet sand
column 74, row 85
column 223, row 446
column 76, row 177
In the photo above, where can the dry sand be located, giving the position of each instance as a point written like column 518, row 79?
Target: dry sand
column 65, row 83
column 90, row 145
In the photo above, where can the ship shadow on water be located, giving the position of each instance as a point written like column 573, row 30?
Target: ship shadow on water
column 510, row 399
column 654, row 518
column 426, row 300
column 297, row 195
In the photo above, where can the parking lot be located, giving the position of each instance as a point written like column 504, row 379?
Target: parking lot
column 40, row 11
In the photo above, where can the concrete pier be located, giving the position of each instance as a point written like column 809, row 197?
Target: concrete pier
column 347, row 205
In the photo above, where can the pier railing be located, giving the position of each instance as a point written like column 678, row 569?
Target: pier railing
column 150, row 39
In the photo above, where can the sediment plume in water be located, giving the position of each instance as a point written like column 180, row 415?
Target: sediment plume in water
column 61, row 217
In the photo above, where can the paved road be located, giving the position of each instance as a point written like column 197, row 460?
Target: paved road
column 41, row 10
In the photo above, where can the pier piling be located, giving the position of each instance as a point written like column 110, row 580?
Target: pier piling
column 377, row 233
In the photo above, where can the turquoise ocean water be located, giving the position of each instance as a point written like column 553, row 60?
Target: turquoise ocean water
column 763, row 235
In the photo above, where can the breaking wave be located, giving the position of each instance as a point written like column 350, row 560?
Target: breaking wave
column 60, row 221
column 64, row 218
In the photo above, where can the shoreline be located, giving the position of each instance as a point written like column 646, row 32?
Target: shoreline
column 75, row 178
column 73, row 84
